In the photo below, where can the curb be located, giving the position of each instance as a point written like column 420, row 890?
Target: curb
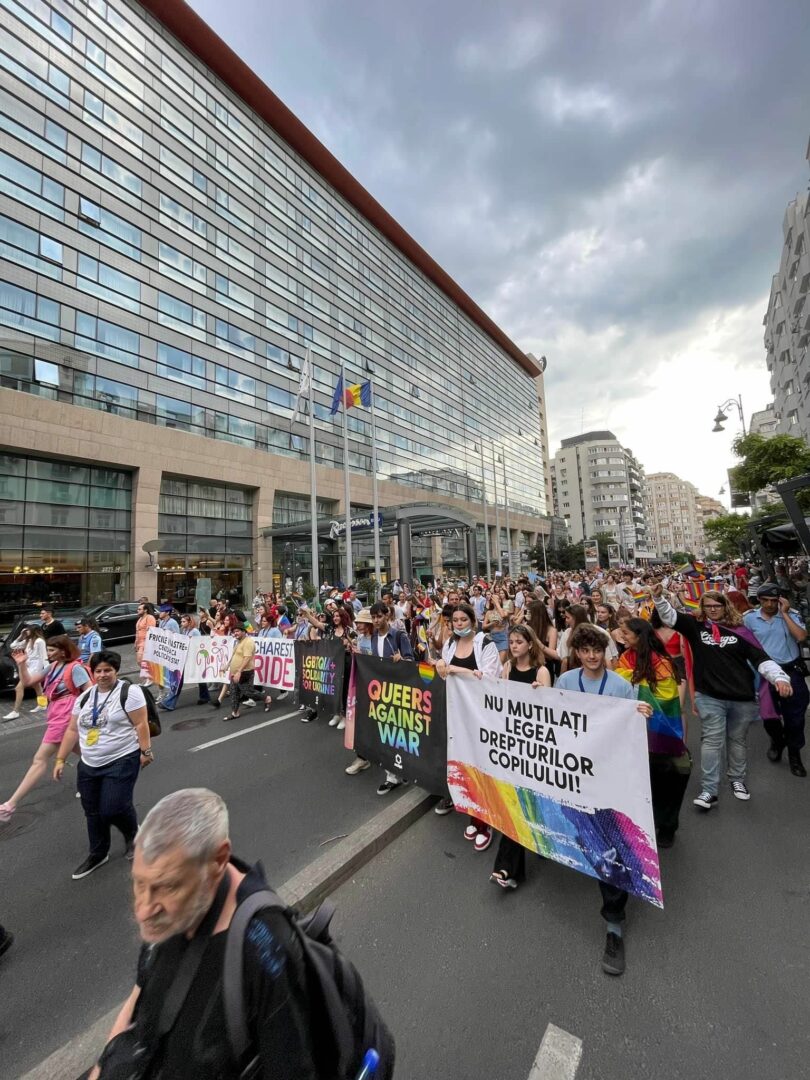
column 304, row 891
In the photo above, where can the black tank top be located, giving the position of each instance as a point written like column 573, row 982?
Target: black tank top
column 529, row 676
column 468, row 662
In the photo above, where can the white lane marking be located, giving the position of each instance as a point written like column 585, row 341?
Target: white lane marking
column 244, row 731
column 558, row 1057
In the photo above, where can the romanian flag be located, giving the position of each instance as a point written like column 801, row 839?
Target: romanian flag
column 358, row 394
column 665, row 726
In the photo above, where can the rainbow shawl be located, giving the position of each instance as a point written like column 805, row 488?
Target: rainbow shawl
column 665, row 726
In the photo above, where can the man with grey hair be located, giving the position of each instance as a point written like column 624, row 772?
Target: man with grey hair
column 187, row 885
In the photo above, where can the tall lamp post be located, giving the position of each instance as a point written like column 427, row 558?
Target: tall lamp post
column 721, row 417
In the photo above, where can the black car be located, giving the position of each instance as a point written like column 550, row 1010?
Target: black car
column 116, row 622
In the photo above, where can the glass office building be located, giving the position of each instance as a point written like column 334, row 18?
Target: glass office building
column 172, row 241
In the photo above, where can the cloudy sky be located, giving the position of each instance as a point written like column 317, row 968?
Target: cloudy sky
column 607, row 180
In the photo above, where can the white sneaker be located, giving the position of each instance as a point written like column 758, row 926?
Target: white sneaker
column 334, row 721
column 740, row 790
column 13, row 715
column 357, row 766
column 249, row 702
column 342, row 725
column 36, row 709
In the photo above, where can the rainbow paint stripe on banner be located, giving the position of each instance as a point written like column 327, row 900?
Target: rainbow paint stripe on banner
column 604, row 843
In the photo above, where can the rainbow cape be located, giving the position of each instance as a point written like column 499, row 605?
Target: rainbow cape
column 665, row 726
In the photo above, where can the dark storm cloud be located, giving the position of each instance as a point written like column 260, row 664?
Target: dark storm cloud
column 588, row 172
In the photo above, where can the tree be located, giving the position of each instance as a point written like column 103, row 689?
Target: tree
column 681, row 557
column 768, row 461
column 727, row 533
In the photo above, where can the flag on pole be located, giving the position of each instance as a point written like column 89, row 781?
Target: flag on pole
column 358, row 394
column 303, row 386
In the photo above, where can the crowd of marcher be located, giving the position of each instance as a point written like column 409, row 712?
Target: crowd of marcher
column 718, row 643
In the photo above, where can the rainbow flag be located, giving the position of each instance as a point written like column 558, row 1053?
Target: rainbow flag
column 693, row 590
column 639, row 595
column 665, row 726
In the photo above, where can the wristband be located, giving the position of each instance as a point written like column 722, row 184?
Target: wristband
column 147, row 752
column 60, row 761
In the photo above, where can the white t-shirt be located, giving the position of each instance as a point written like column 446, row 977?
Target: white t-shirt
column 116, row 735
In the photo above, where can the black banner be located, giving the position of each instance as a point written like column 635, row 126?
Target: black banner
column 401, row 720
column 319, row 675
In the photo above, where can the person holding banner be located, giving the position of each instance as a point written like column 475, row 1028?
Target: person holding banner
column 468, row 654
column 592, row 676
column 646, row 664
column 146, row 620
column 525, row 665
column 389, row 643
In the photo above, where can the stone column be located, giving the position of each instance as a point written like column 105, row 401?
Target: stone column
column 145, row 508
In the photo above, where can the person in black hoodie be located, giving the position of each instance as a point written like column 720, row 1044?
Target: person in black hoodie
column 726, row 655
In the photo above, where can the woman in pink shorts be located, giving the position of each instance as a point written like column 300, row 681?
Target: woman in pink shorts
column 62, row 683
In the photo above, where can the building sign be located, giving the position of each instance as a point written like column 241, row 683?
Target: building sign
column 359, row 524
column 614, row 555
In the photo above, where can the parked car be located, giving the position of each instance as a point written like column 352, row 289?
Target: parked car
column 116, row 622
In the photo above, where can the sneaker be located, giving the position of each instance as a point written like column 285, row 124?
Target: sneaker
column 388, row 785
column 740, row 790
column 796, row 764
column 90, row 864
column 249, row 703
column 215, row 704
column 613, row 956
column 444, row 806
column 471, row 832
column 13, row 715
column 357, row 766
column 282, row 695
column 6, row 942
column 342, row 724
column 704, row 800
column 334, row 721
column 308, row 716
column 483, row 840
column 500, row 877
column 37, row 709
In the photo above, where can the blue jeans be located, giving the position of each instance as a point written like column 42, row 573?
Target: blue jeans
column 723, row 724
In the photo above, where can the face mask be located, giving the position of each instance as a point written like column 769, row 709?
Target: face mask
column 463, row 633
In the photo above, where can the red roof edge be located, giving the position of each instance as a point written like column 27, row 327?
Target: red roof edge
column 187, row 26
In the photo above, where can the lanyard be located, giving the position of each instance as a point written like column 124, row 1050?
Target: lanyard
column 601, row 689
column 99, row 708
column 52, row 678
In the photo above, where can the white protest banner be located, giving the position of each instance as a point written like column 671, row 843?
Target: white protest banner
column 208, row 659
column 166, row 649
column 275, row 663
column 564, row 774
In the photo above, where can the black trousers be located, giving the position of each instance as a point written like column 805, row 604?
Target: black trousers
column 106, row 793
column 669, row 777
column 789, row 731
column 241, row 690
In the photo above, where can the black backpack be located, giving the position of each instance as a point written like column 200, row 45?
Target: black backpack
column 152, row 714
column 351, row 1016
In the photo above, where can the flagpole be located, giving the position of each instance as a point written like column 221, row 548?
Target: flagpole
column 486, row 515
column 498, row 562
column 313, row 497
column 506, row 513
column 374, row 495
column 346, row 485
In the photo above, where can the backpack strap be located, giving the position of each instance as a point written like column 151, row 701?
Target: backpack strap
column 233, row 991
column 125, row 685
column 84, row 699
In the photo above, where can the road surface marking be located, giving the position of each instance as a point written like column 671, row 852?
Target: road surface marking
column 244, row 731
column 558, row 1057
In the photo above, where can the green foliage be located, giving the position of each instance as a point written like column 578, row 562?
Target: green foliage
column 681, row 557
column 727, row 533
column 767, row 461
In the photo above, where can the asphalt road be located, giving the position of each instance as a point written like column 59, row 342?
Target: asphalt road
column 76, row 945
column 469, row 976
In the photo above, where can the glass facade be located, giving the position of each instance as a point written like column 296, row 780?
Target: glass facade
column 205, row 531
column 165, row 256
column 64, row 534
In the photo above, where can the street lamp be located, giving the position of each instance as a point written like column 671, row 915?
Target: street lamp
column 721, row 417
